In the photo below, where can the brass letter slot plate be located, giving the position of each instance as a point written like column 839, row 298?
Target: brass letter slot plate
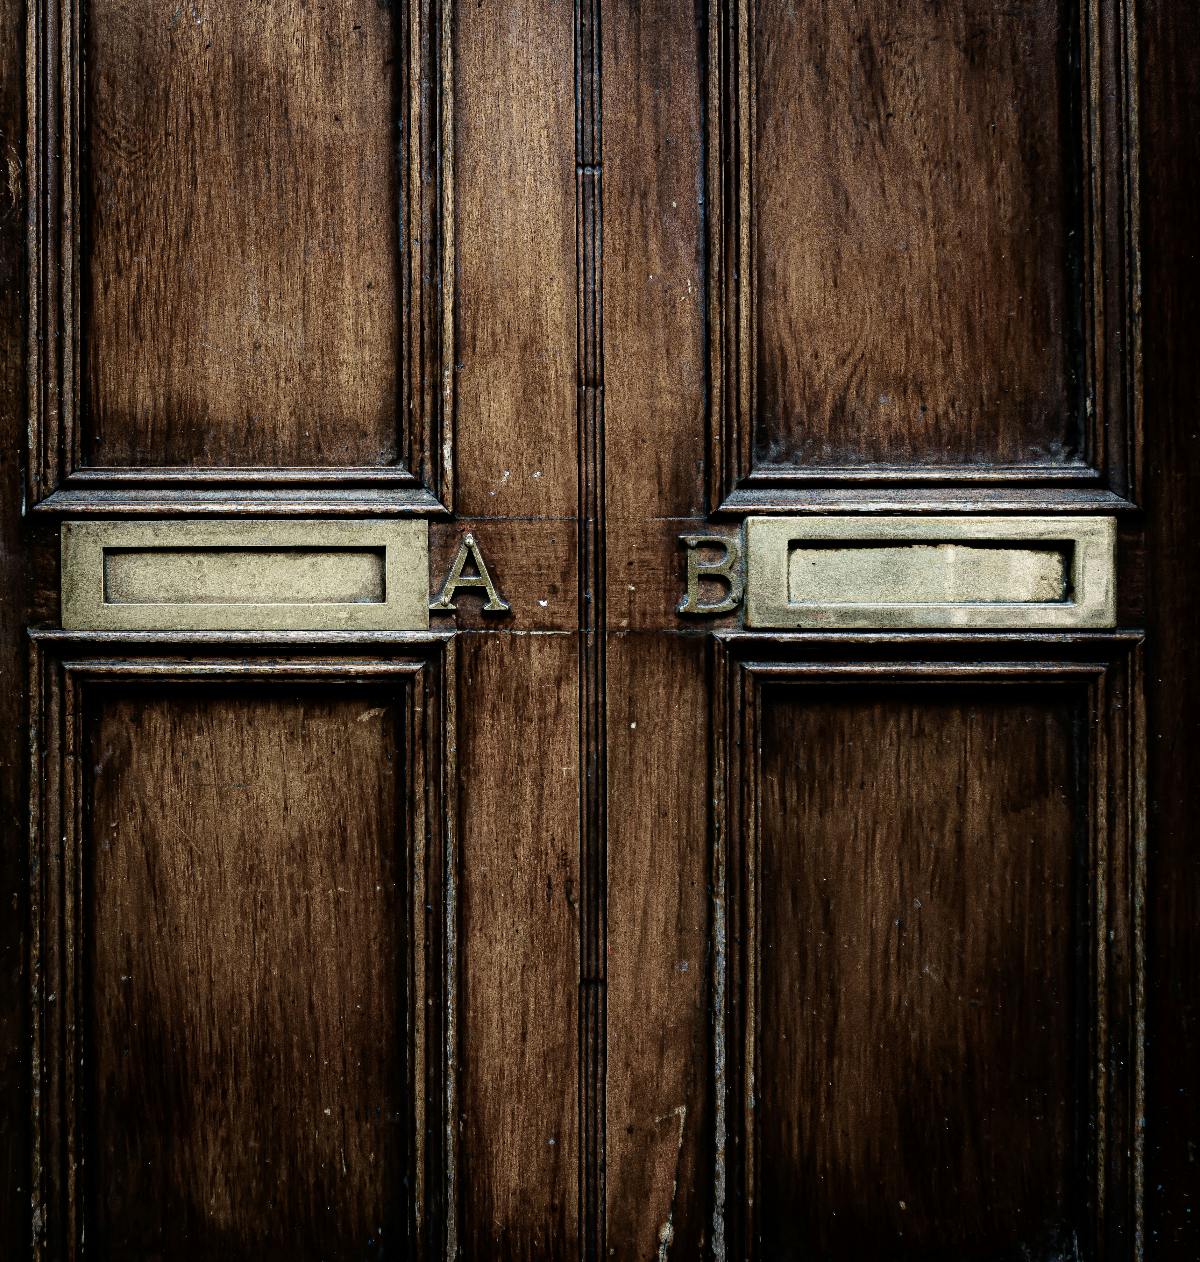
column 841, row 573
column 245, row 576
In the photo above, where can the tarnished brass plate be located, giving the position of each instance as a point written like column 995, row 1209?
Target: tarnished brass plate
column 897, row 572
column 246, row 575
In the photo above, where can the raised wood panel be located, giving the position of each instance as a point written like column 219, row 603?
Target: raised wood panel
column 928, row 990
column 239, row 269
column 922, row 244
column 244, row 1007
column 243, row 935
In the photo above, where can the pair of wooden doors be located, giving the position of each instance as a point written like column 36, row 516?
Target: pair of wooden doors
column 603, row 612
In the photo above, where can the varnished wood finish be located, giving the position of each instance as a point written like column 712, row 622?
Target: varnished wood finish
column 865, row 1041
column 945, row 197
column 1170, row 43
column 917, row 983
column 515, row 252
column 179, row 176
column 243, row 945
column 636, row 272
column 923, row 286
column 519, row 808
column 16, row 582
column 240, row 193
column 659, row 1102
column 244, row 1005
column 658, row 1116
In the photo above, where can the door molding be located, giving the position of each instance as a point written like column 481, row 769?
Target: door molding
column 58, row 478
column 1107, row 905
column 67, row 671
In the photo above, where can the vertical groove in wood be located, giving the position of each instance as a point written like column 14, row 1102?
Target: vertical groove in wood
column 37, row 901
column 443, row 458
column 592, row 621
column 427, row 387
column 448, row 796
column 719, row 670
column 1136, row 824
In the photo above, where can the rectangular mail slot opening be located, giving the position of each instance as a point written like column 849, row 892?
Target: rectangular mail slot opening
column 235, row 576
column 876, row 572
column 272, row 575
column 849, row 572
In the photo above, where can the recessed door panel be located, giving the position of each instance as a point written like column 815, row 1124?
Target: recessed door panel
column 245, row 926
column 917, row 234
column 917, row 1062
column 241, row 186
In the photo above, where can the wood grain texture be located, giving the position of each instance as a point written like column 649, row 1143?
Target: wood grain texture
column 240, row 210
column 515, row 249
column 1171, row 192
column 658, row 1167
column 245, row 998
column 915, row 234
column 16, row 579
column 653, row 275
column 519, row 807
column 918, row 976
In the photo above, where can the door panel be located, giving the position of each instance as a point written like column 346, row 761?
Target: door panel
column 240, row 196
column 919, row 243
column 917, row 986
column 934, row 238
column 930, row 882
column 249, row 962
column 242, row 270
column 243, row 933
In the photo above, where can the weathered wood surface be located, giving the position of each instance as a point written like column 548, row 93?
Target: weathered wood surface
column 943, row 274
column 241, row 244
column 245, row 917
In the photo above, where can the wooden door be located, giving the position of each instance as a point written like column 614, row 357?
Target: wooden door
column 599, row 630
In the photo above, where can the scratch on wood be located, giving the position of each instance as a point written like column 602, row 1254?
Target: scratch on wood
column 666, row 1233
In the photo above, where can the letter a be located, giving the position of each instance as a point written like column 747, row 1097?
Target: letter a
column 468, row 550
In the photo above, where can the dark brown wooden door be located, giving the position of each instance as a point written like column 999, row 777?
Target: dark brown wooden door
column 599, row 630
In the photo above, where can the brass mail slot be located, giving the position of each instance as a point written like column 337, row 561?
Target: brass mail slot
column 897, row 572
column 247, row 575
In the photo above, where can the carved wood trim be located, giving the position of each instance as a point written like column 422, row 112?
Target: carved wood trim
column 55, row 136
column 1108, row 668
column 592, row 615
column 64, row 669
column 1106, row 104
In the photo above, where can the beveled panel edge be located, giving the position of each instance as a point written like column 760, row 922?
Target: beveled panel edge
column 1105, row 90
column 246, row 500
column 425, row 669
column 1109, row 667
column 406, row 575
column 1092, row 581
column 1000, row 498
column 53, row 143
